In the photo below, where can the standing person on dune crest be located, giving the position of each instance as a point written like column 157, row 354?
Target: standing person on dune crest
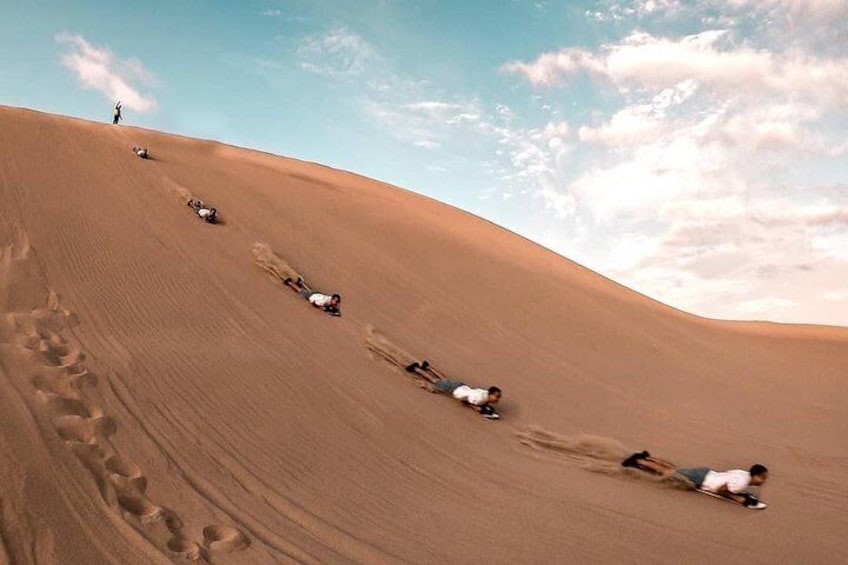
column 116, row 115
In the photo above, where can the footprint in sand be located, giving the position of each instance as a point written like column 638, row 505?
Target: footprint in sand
column 185, row 548
column 61, row 405
column 80, row 377
column 60, row 354
column 85, row 430
column 138, row 505
column 54, row 383
column 125, row 474
column 224, row 539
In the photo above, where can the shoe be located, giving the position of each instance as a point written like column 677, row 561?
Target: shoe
column 632, row 460
column 287, row 281
column 411, row 368
column 299, row 281
column 425, row 365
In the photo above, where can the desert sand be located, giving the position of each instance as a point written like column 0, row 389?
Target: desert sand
column 164, row 397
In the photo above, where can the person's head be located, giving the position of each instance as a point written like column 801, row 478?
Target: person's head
column 494, row 395
column 335, row 300
column 759, row 474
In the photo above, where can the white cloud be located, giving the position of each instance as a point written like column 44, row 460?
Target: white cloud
column 706, row 58
column 767, row 305
column 339, row 52
column 699, row 173
column 427, row 144
column 271, row 13
column 837, row 295
column 99, row 69
column 817, row 10
column 434, row 106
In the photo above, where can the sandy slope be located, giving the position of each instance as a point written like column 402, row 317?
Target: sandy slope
column 163, row 396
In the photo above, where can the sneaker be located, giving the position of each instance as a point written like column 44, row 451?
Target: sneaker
column 632, row 460
column 287, row 281
column 488, row 412
column 411, row 368
column 425, row 365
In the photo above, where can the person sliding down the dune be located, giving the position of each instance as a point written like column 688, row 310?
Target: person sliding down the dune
column 328, row 303
column 141, row 152
column 207, row 213
column 729, row 484
column 480, row 399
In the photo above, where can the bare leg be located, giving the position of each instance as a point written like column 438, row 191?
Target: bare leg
column 646, row 462
column 438, row 375
column 428, row 376
column 658, row 466
column 661, row 462
column 297, row 285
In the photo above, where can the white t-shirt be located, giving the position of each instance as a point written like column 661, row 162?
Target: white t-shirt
column 321, row 300
column 475, row 396
column 735, row 481
column 203, row 212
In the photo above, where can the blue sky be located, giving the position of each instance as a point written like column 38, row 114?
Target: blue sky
column 693, row 151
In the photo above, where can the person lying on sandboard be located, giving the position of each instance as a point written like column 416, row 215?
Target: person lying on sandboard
column 141, row 152
column 329, row 303
column 207, row 213
column 480, row 399
column 731, row 484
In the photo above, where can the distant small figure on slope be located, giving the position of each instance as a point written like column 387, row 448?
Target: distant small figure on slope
column 116, row 115
column 328, row 303
column 207, row 213
column 141, row 152
column 480, row 399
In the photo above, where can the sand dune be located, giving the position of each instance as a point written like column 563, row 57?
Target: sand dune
column 164, row 399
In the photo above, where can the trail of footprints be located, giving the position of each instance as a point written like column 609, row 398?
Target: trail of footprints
column 66, row 390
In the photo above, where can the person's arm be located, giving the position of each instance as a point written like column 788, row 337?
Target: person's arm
column 466, row 402
column 725, row 492
column 472, row 406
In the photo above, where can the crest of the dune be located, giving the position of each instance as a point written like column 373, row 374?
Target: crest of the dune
column 164, row 395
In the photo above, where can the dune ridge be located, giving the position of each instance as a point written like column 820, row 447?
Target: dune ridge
column 164, row 399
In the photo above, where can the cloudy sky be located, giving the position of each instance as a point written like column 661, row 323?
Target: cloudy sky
column 694, row 151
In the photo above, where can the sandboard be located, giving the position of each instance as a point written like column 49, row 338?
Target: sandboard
column 758, row 506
